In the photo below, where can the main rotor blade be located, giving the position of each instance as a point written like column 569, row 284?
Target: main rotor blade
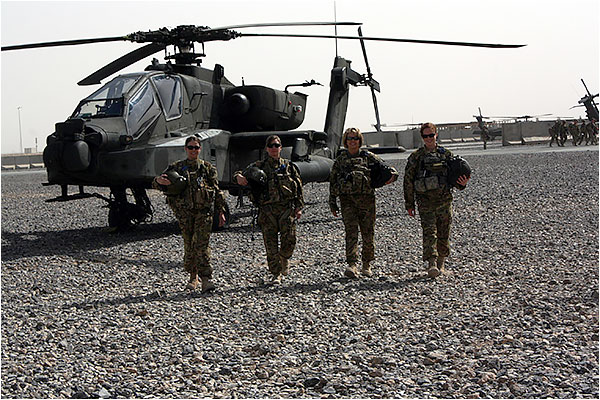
column 370, row 77
column 220, row 28
column 384, row 39
column 121, row 62
column 520, row 116
column 63, row 43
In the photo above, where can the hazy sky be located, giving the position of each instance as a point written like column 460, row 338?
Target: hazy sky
column 418, row 82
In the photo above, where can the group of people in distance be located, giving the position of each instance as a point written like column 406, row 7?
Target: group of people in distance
column 192, row 190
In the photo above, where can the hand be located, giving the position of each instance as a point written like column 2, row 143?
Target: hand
column 462, row 180
column 241, row 180
column 298, row 213
column 163, row 180
column 222, row 220
column 411, row 212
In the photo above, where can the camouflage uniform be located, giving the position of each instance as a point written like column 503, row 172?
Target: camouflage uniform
column 425, row 179
column 553, row 130
column 589, row 132
column 574, row 131
column 276, row 209
column 592, row 129
column 485, row 136
column 194, row 209
column 350, row 181
column 562, row 133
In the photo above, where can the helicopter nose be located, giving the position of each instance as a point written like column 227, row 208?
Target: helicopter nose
column 67, row 149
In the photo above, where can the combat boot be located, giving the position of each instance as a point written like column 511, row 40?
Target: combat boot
column 351, row 271
column 276, row 279
column 193, row 282
column 432, row 270
column 207, row 284
column 285, row 266
column 440, row 264
column 366, row 269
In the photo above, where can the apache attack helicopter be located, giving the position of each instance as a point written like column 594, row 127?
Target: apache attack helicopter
column 126, row 132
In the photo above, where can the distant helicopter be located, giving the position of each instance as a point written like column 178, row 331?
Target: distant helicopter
column 591, row 107
column 491, row 132
column 125, row 133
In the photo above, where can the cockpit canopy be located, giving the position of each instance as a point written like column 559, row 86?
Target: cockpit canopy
column 140, row 104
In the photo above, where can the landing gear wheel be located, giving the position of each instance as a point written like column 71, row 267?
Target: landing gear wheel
column 123, row 215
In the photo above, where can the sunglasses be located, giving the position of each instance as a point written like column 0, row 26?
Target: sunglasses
column 193, row 147
column 352, row 138
column 428, row 136
column 271, row 145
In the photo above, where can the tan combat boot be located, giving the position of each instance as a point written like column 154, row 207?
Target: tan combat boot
column 432, row 270
column 207, row 284
column 276, row 279
column 193, row 282
column 285, row 266
column 440, row 264
column 366, row 269
column 351, row 271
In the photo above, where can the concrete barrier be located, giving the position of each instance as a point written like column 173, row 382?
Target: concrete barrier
column 526, row 132
column 22, row 161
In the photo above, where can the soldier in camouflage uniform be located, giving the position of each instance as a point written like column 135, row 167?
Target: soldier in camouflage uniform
column 592, row 130
column 350, row 180
column 553, row 130
column 485, row 136
column 562, row 133
column 194, row 208
column 279, row 206
column 574, row 131
column 589, row 132
column 425, row 179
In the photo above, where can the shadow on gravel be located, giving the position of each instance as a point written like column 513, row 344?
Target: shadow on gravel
column 71, row 241
column 333, row 286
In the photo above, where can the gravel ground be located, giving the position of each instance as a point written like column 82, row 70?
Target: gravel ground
column 86, row 313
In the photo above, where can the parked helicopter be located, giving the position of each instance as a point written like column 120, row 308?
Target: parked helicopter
column 126, row 132
column 492, row 133
column 591, row 107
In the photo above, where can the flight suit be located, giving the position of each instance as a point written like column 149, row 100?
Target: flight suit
column 350, row 180
column 425, row 180
column 276, row 209
column 194, row 209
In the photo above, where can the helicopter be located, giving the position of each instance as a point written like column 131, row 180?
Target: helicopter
column 492, row 133
column 126, row 132
column 591, row 107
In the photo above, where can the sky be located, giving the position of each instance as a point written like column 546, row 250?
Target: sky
column 419, row 82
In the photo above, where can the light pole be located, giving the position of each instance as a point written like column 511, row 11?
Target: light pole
column 20, row 134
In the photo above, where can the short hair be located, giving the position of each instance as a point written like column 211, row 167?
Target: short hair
column 193, row 139
column 429, row 125
column 352, row 130
column 271, row 139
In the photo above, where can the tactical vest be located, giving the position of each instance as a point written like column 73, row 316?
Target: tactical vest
column 433, row 172
column 355, row 175
column 281, row 186
column 199, row 193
